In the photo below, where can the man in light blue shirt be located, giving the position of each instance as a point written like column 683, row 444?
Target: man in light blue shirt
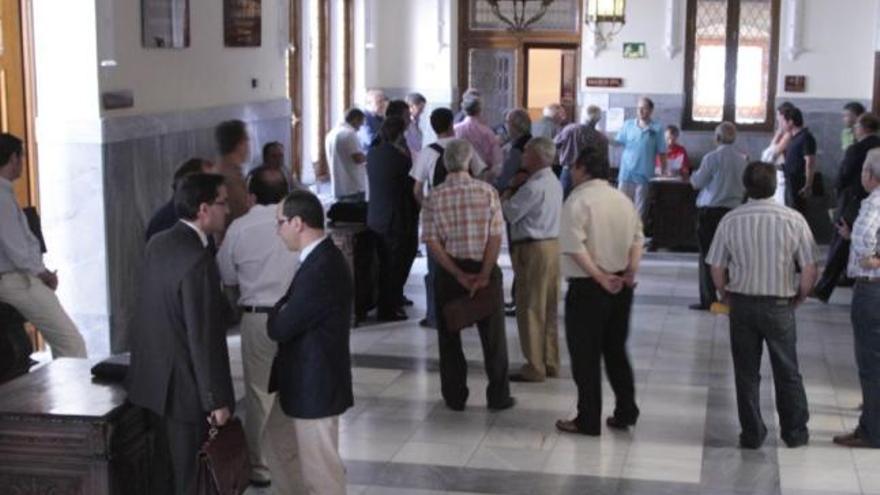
column 643, row 141
column 719, row 180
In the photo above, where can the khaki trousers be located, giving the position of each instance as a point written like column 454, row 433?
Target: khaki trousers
column 39, row 305
column 536, row 265
column 303, row 454
column 257, row 353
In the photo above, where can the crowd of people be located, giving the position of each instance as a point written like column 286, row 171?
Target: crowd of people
column 250, row 247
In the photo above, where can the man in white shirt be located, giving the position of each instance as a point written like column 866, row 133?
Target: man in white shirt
column 348, row 173
column 254, row 260
column 25, row 283
column 426, row 175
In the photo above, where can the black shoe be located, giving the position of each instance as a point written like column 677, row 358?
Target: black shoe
column 509, row 305
column 521, row 378
column 511, row 312
column 698, row 307
column 505, row 404
column 396, row 316
column 798, row 442
column 260, row 483
column 424, row 323
column 570, row 426
column 455, row 406
column 619, row 424
column 406, row 301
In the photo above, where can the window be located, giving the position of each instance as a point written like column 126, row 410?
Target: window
column 730, row 65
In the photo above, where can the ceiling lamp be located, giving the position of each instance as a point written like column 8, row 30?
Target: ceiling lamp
column 516, row 20
column 605, row 18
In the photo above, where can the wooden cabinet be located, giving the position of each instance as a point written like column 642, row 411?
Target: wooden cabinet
column 63, row 433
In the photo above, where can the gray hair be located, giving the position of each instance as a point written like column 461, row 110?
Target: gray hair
column 471, row 93
column 544, row 147
column 520, row 122
column 552, row 110
column 472, row 106
column 416, row 99
column 872, row 163
column 725, row 133
column 457, row 155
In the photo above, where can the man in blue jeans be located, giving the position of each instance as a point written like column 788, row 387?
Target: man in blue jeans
column 864, row 267
column 755, row 256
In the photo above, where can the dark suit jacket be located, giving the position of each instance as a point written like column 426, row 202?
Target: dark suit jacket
column 164, row 218
column 312, row 325
column 179, row 359
column 849, row 179
column 392, row 207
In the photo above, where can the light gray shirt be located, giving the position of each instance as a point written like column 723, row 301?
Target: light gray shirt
column 720, row 178
column 19, row 247
column 760, row 244
column 534, row 210
column 545, row 127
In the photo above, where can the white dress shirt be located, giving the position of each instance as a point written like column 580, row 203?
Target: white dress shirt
column 202, row 236
column 423, row 167
column 534, row 210
column 306, row 251
column 19, row 247
column 255, row 259
column 346, row 176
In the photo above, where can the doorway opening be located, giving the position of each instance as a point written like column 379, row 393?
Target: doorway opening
column 551, row 77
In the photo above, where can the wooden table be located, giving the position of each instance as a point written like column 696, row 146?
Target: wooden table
column 62, row 433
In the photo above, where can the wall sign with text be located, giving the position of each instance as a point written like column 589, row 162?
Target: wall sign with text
column 242, row 22
column 795, row 84
column 604, row 82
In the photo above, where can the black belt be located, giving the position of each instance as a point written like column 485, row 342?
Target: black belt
column 256, row 309
column 528, row 240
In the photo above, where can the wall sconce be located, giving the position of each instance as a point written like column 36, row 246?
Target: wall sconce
column 605, row 18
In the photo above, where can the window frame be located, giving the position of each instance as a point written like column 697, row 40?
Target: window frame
column 731, row 47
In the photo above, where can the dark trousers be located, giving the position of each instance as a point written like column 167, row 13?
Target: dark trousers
column 396, row 254
column 597, row 328
column 838, row 250
column 183, row 442
column 453, row 366
column 755, row 320
column 707, row 223
column 431, row 311
column 793, row 199
column 866, row 329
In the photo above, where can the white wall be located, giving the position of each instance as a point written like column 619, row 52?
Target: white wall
column 204, row 75
column 838, row 44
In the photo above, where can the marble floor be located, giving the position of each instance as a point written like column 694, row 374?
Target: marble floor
column 400, row 439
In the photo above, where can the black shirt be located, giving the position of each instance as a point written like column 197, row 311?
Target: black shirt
column 849, row 178
column 802, row 145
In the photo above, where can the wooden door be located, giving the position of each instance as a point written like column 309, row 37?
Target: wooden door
column 15, row 106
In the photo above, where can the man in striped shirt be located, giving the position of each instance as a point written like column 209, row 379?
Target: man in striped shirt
column 755, row 257
column 864, row 267
column 462, row 226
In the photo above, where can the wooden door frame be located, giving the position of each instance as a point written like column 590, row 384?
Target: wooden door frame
column 482, row 39
column 294, row 86
column 550, row 46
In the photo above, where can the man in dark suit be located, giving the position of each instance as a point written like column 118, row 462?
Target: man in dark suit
column 312, row 370
column 166, row 217
column 850, row 194
column 179, row 359
column 392, row 214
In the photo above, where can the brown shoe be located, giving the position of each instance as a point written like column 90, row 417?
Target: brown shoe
column 852, row 440
column 569, row 426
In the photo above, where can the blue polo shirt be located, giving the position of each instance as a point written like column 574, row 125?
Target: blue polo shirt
column 641, row 147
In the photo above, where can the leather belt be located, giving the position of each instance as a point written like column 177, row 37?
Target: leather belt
column 256, row 309
column 528, row 240
column 867, row 280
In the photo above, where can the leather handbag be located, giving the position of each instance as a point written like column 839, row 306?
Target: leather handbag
column 223, row 464
column 465, row 311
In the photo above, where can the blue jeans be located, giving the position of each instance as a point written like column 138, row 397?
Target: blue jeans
column 755, row 320
column 865, row 314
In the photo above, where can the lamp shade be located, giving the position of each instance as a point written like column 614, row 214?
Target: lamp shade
column 606, row 11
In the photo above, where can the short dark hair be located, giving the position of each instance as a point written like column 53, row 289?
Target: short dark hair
column 9, row 145
column 189, row 167
column 392, row 128
column 785, row 105
column 869, row 122
column 442, row 120
column 306, row 206
column 674, row 130
column 353, row 114
column 647, row 100
column 396, row 108
column 416, row 99
column 268, row 146
column 267, row 184
column 229, row 135
column 793, row 115
column 594, row 161
column 855, row 107
column 759, row 178
column 193, row 191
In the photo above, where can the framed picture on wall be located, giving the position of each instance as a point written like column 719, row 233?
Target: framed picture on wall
column 242, row 23
column 634, row 50
column 165, row 23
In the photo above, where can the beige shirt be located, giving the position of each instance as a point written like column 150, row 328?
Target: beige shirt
column 599, row 220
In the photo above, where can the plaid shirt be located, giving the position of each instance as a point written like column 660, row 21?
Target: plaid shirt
column 864, row 237
column 461, row 214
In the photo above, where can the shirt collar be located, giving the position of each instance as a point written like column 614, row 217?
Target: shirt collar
column 457, row 178
column 202, row 236
column 306, row 251
column 6, row 183
column 765, row 201
column 591, row 184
